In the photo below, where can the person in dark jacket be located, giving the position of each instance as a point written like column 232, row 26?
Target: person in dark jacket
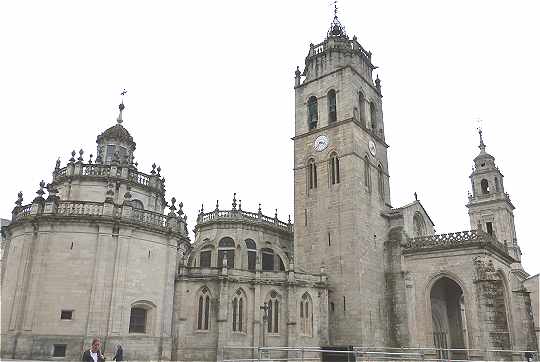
column 94, row 353
column 119, row 356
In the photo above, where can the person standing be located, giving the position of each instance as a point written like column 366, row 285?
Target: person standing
column 94, row 353
column 119, row 356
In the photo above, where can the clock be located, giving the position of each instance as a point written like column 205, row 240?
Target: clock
column 372, row 148
column 320, row 143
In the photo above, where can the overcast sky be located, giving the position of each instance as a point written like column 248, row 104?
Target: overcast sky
column 210, row 95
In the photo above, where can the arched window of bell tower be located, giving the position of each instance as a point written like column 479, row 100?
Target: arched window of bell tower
column 362, row 108
column 367, row 174
column 380, row 181
column 373, row 116
column 332, row 106
column 313, row 115
column 484, row 185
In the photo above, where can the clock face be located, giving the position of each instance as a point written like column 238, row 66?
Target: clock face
column 372, row 148
column 320, row 143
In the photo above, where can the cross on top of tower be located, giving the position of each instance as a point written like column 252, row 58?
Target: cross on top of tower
column 121, row 106
column 336, row 29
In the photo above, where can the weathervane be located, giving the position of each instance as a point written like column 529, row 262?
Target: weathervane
column 335, row 8
column 121, row 106
column 479, row 129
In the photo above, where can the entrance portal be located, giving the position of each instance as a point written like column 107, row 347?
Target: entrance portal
column 448, row 318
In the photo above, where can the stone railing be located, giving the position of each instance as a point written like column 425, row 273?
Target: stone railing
column 241, row 215
column 452, row 240
column 101, row 210
column 351, row 45
column 153, row 181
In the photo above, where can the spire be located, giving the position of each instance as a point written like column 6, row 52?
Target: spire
column 121, row 106
column 336, row 29
column 482, row 146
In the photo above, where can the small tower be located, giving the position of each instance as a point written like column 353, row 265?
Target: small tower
column 490, row 208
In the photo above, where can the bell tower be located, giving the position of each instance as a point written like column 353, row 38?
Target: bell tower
column 489, row 205
column 341, row 183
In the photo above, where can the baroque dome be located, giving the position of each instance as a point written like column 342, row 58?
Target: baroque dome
column 118, row 133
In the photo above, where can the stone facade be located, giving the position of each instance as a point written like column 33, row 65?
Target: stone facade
column 99, row 256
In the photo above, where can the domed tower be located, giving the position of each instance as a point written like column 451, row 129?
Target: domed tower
column 97, row 257
column 490, row 208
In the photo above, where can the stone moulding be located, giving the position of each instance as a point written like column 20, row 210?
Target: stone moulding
column 461, row 239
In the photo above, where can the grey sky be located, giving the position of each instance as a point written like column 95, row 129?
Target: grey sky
column 210, row 95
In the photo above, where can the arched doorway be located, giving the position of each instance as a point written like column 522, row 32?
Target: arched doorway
column 448, row 319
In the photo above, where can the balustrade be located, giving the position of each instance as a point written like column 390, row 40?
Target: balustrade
column 243, row 215
column 80, row 208
column 450, row 240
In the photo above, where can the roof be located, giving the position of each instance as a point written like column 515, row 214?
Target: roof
column 118, row 133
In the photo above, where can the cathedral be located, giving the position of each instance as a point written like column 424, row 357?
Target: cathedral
column 102, row 252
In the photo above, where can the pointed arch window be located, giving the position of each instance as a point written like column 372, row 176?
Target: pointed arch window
column 334, row 169
column 239, row 313
column 272, row 325
column 226, row 246
column 332, row 106
column 367, row 173
column 380, row 181
column 203, row 313
column 313, row 112
column 362, row 107
column 312, row 174
column 373, row 116
column 306, row 315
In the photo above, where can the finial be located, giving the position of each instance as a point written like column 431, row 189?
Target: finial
column 234, row 201
column 260, row 209
column 217, row 205
column 40, row 192
column 378, row 84
column 275, row 215
column 180, row 206
column 335, row 8
column 159, row 171
column 90, row 160
column 19, row 199
column 415, row 196
column 297, row 73
column 289, row 219
column 172, row 207
column 121, row 106
column 202, row 209
column 57, row 167
column 80, row 159
column 72, row 159
column 482, row 146
column 153, row 172
column 239, row 205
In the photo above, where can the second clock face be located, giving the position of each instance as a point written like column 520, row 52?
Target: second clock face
column 320, row 143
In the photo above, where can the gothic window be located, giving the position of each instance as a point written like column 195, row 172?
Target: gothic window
column 380, row 181
column 203, row 313
column 419, row 225
column 332, row 106
column 137, row 320
column 367, row 173
column 267, row 259
column 484, row 185
column 306, row 315
column 362, row 107
column 226, row 246
column 373, row 116
column 312, row 112
column 334, row 169
column 272, row 325
column 206, row 256
column 312, row 174
column 239, row 313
